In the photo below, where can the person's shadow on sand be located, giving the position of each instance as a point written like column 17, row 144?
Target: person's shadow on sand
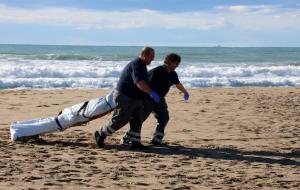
column 223, row 154
column 215, row 153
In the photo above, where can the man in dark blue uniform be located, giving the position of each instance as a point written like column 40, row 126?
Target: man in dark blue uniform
column 161, row 79
column 131, row 91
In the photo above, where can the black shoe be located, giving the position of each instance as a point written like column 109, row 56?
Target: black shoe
column 99, row 139
column 138, row 146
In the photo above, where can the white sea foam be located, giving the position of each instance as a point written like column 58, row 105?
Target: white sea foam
column 27, row 73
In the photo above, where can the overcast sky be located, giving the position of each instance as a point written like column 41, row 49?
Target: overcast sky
column 151, row 22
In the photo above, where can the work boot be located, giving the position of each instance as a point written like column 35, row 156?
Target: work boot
column 100, row 139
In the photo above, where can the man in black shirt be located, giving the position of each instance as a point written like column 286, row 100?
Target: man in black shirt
column 132, row 89
column 161, row 79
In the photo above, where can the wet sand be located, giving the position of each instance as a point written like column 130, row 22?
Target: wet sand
column 238, row 138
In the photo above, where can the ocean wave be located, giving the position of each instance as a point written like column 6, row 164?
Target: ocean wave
column 72, row 57
column 61, row 57
column 58, row 83
column 104, row 74
column 239, row 71
column 102, row 69
column 241, row 82
column 297, row 63
column 52, row 71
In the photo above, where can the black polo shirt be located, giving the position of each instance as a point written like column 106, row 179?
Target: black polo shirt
column 160, row 80
column 132, row 73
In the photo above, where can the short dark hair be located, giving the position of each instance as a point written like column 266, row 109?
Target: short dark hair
column 171, row 58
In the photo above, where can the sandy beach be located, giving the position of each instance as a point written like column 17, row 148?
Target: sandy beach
column 223, row 138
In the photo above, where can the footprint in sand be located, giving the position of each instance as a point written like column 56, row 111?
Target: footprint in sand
column 31, row 178
column 66, row 102
column 49, row 184
column 99, row 187
column 13, row 108
column 187, row 131
column 94, row 153
column 56, row 159
column 16, row 104
column 162, row 166
column 91, row 158
column 87, row 162
column 43, row 106
column 142, row 184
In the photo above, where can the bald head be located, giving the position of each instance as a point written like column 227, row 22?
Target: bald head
column 147, row 55
column 146, row 51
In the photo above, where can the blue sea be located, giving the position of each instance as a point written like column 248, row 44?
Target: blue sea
column 68, row 67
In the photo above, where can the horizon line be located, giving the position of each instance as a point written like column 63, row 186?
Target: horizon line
column 127, row 45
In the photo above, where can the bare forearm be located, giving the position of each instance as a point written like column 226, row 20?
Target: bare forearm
column 181, row 88
column 143, row 86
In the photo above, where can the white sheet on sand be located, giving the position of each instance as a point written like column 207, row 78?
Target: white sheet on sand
column 75, row 115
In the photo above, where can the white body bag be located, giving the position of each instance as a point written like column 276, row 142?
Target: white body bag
column 75, row 115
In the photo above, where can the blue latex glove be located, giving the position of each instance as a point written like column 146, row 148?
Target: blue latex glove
column 154, row 96
column 186, row 96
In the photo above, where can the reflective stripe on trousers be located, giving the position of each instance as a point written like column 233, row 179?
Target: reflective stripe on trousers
column 132, row 136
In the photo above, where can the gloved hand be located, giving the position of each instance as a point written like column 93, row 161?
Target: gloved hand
column 154, row 96
column 186, row 96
